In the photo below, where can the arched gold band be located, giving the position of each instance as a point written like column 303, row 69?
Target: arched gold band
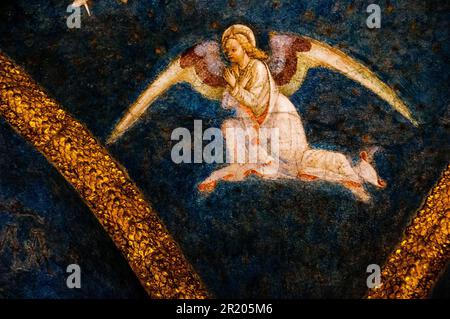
column 412, row 269
column 101, row 182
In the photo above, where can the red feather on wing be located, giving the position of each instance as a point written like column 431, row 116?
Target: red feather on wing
column 205, row 58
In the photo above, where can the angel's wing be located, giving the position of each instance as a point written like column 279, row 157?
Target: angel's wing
column 293, row 56
column 200, row 66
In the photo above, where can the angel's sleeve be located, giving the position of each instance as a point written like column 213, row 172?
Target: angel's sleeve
column 253, row 89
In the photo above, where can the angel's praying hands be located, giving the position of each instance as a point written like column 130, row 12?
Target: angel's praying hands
column 229, row 77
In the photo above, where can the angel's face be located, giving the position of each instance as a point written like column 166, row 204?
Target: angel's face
column 234, row 51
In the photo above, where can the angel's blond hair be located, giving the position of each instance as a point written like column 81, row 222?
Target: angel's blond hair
column 246, row 39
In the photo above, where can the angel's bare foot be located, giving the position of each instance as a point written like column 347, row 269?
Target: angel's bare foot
column 306, row 177
column 207, row 187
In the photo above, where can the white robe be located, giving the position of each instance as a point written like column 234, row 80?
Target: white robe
column 292, row 157
column 279, row 162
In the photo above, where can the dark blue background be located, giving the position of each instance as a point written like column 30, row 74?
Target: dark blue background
column 249, row 239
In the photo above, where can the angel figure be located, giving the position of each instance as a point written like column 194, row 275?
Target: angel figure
column 257, row 88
